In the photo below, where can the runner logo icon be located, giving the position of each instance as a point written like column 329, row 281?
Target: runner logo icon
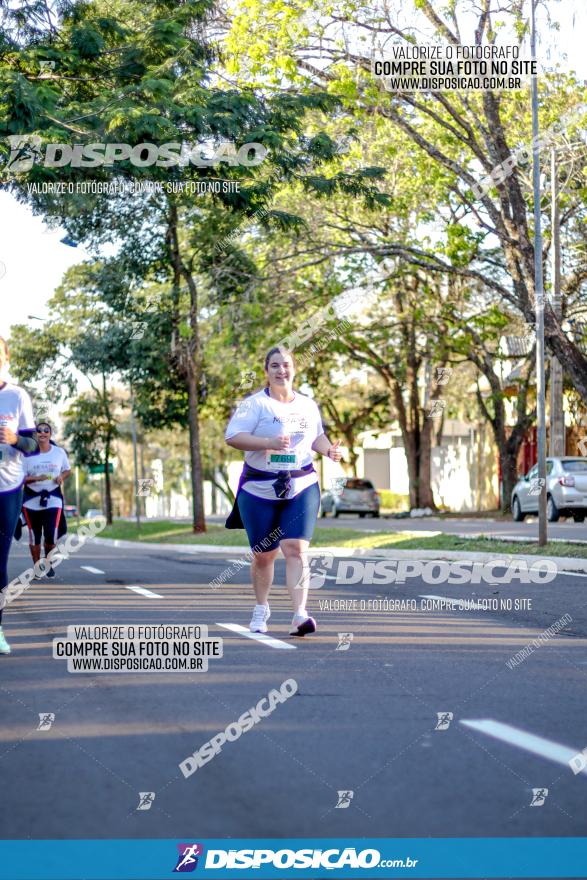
column 46, row 719
column 187, row 859
column 344, row 800
column 25, row 150
column 444, row 719
column 317, row 568
column 539, row 795
column 344, row 641
column 146, row 799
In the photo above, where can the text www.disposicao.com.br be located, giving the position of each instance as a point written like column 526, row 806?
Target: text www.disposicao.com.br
column 133, row 664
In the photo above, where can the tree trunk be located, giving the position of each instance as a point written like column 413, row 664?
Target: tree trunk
column 509, row 473
column 508, row 449
column 199, row 521
column 412, row 461
column 417, row 448
column 504, row 452
column 418, row 451
column 508, row 446
column 142, row 500
column 425, row 494
column 188, row 358
column 107, row 484
column 107, row 445
column 353, row 456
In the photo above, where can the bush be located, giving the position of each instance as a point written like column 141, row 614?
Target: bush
column 392, row 501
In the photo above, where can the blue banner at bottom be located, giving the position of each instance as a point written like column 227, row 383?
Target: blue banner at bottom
column 273, row 859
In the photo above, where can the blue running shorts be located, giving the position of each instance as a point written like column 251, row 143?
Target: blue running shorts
column 295, row 517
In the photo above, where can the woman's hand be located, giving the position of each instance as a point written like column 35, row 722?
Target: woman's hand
column 334, row 453
column 7, row 435
column 282, row 442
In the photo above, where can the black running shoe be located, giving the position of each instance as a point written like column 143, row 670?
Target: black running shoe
column 302, row 626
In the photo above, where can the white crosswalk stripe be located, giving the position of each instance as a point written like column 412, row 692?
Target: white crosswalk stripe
column 257, row 637
column 144, row 592
column 546, row 748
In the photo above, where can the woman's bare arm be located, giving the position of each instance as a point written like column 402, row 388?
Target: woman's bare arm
column 251, row 443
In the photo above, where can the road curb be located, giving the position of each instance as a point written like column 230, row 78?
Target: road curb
column 521, row 539
column 568, row 563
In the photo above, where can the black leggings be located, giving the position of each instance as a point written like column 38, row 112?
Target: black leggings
column 10, row 507
column 42, row 523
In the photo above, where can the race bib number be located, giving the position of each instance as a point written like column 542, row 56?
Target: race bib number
column 281, row 461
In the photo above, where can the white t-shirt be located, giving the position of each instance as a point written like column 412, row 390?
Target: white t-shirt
column 263, row 416
column 53, row 462
column 16, row 412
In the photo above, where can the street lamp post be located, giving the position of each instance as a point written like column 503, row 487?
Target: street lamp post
column 135, row 461
column 538, row 300
column 77, row 495
column 557, row 416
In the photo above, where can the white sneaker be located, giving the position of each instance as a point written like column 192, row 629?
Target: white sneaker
column 4, row 646
column 261, row 615
column 302, row 625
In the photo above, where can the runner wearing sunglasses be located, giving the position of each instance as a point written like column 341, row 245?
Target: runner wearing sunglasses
column 43, row 498
column 278, row 496
column 16, row 440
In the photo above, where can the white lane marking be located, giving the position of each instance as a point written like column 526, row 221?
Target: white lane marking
column 575, row 574
column 458, row 602
column 145, row 592
column 258, row 637
column 92, row 570
column 546, row 748
column 239, row 561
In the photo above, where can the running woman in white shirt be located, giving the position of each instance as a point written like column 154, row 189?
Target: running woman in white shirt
column 17, row 428
column 278, row 496
column 43, row 498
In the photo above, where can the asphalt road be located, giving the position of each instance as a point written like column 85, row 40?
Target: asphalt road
column 566, row 530
column 364, row 719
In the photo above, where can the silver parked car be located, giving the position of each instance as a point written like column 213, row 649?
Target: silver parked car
column 352, row 495
column 566, row 490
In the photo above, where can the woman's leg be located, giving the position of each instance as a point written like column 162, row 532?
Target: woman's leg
column 259, row 519
column 5, row 542
column 297, row 522
column 33, row 519
column 10, row 507
column 297, row 574
column 262, row 569
column 50, row 527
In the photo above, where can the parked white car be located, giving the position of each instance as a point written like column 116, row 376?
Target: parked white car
column 352, row 495
column 566, row 490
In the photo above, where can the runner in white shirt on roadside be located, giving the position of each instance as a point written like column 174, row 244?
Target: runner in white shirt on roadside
column 278, row 497
column 43, row 498
column 17, row 439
